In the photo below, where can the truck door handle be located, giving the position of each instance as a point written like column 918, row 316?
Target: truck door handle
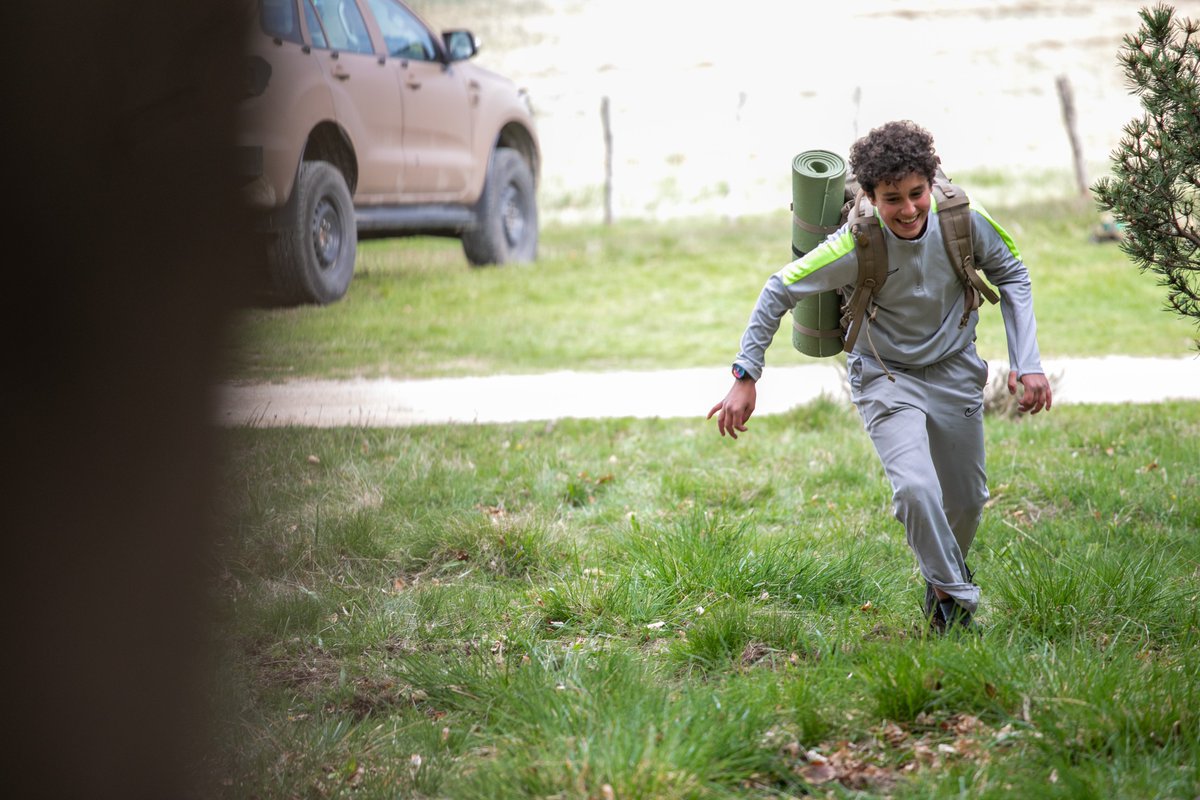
column 412, row 83
column 340, row 73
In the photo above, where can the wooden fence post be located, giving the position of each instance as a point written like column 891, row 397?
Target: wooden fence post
column 1066, row 97
column 608, row 146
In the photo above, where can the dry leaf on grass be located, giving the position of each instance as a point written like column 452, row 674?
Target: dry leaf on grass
column 847, row 768
column 963, row 724
column 754, row 652
column 893, row 734
column 818, row 773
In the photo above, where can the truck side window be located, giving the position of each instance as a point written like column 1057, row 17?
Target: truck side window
column 278, row 18
column 403, row 33
column 315, row 30
column 344, row 26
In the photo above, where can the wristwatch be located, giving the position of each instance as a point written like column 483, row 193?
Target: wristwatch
column 739, row 372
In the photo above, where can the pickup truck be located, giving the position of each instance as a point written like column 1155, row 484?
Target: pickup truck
column 360, row 121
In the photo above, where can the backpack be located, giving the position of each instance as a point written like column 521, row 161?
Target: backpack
column 954, row 219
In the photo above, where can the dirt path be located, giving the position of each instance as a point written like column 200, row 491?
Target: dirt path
column 671, row 393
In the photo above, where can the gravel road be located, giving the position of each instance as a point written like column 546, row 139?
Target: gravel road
column 669, row 393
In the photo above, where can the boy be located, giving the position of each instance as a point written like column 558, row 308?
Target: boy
column 914, row 374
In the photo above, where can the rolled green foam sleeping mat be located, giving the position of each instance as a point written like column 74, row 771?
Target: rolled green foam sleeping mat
column 818, row 193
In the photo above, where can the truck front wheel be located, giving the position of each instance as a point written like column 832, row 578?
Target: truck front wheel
column 312, row 258
column 507, row 226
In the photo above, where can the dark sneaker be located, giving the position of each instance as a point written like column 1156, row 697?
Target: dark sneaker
column 954, row 615
column 933, row 609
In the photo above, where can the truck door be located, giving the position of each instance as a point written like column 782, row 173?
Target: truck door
column 367, row 100
column 437, row 107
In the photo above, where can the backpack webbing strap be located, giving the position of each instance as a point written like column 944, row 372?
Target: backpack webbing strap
column 954, row 217
column 871, row 249
column 822, row 230
column 807, row 331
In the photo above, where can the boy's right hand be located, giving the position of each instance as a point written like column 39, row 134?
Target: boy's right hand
column 736, row 408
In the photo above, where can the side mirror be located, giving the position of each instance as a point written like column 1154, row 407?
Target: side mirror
column 460, row 44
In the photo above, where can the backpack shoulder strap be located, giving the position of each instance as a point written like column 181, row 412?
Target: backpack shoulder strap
column 954, row 218
column 870, row 248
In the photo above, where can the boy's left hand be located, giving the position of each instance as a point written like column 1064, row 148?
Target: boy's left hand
column 1037, row 394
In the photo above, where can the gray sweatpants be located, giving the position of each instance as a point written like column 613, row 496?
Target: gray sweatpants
column 927, row 428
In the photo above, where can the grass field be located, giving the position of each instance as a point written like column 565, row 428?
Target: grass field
column 638, row 608
column 648, row 295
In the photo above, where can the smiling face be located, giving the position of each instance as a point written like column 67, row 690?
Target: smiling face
column 904, row 206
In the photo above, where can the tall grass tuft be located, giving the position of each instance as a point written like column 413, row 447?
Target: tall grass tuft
column 1112, row 593
column 490, row 542
column 577, row 722
column 707, row 556
column 903, row 682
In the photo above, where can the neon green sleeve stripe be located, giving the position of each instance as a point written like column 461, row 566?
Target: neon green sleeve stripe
column 1012, row 246
column 823, row 255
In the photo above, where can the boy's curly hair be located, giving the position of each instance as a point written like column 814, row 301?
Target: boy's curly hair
column 890, row 152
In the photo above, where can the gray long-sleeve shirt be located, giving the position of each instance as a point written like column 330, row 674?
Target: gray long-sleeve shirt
column 919, row 306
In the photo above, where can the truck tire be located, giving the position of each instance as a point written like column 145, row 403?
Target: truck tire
column 507, row 226
column 312, row 258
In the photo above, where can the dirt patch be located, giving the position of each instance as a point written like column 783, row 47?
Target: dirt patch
column 708, row 107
